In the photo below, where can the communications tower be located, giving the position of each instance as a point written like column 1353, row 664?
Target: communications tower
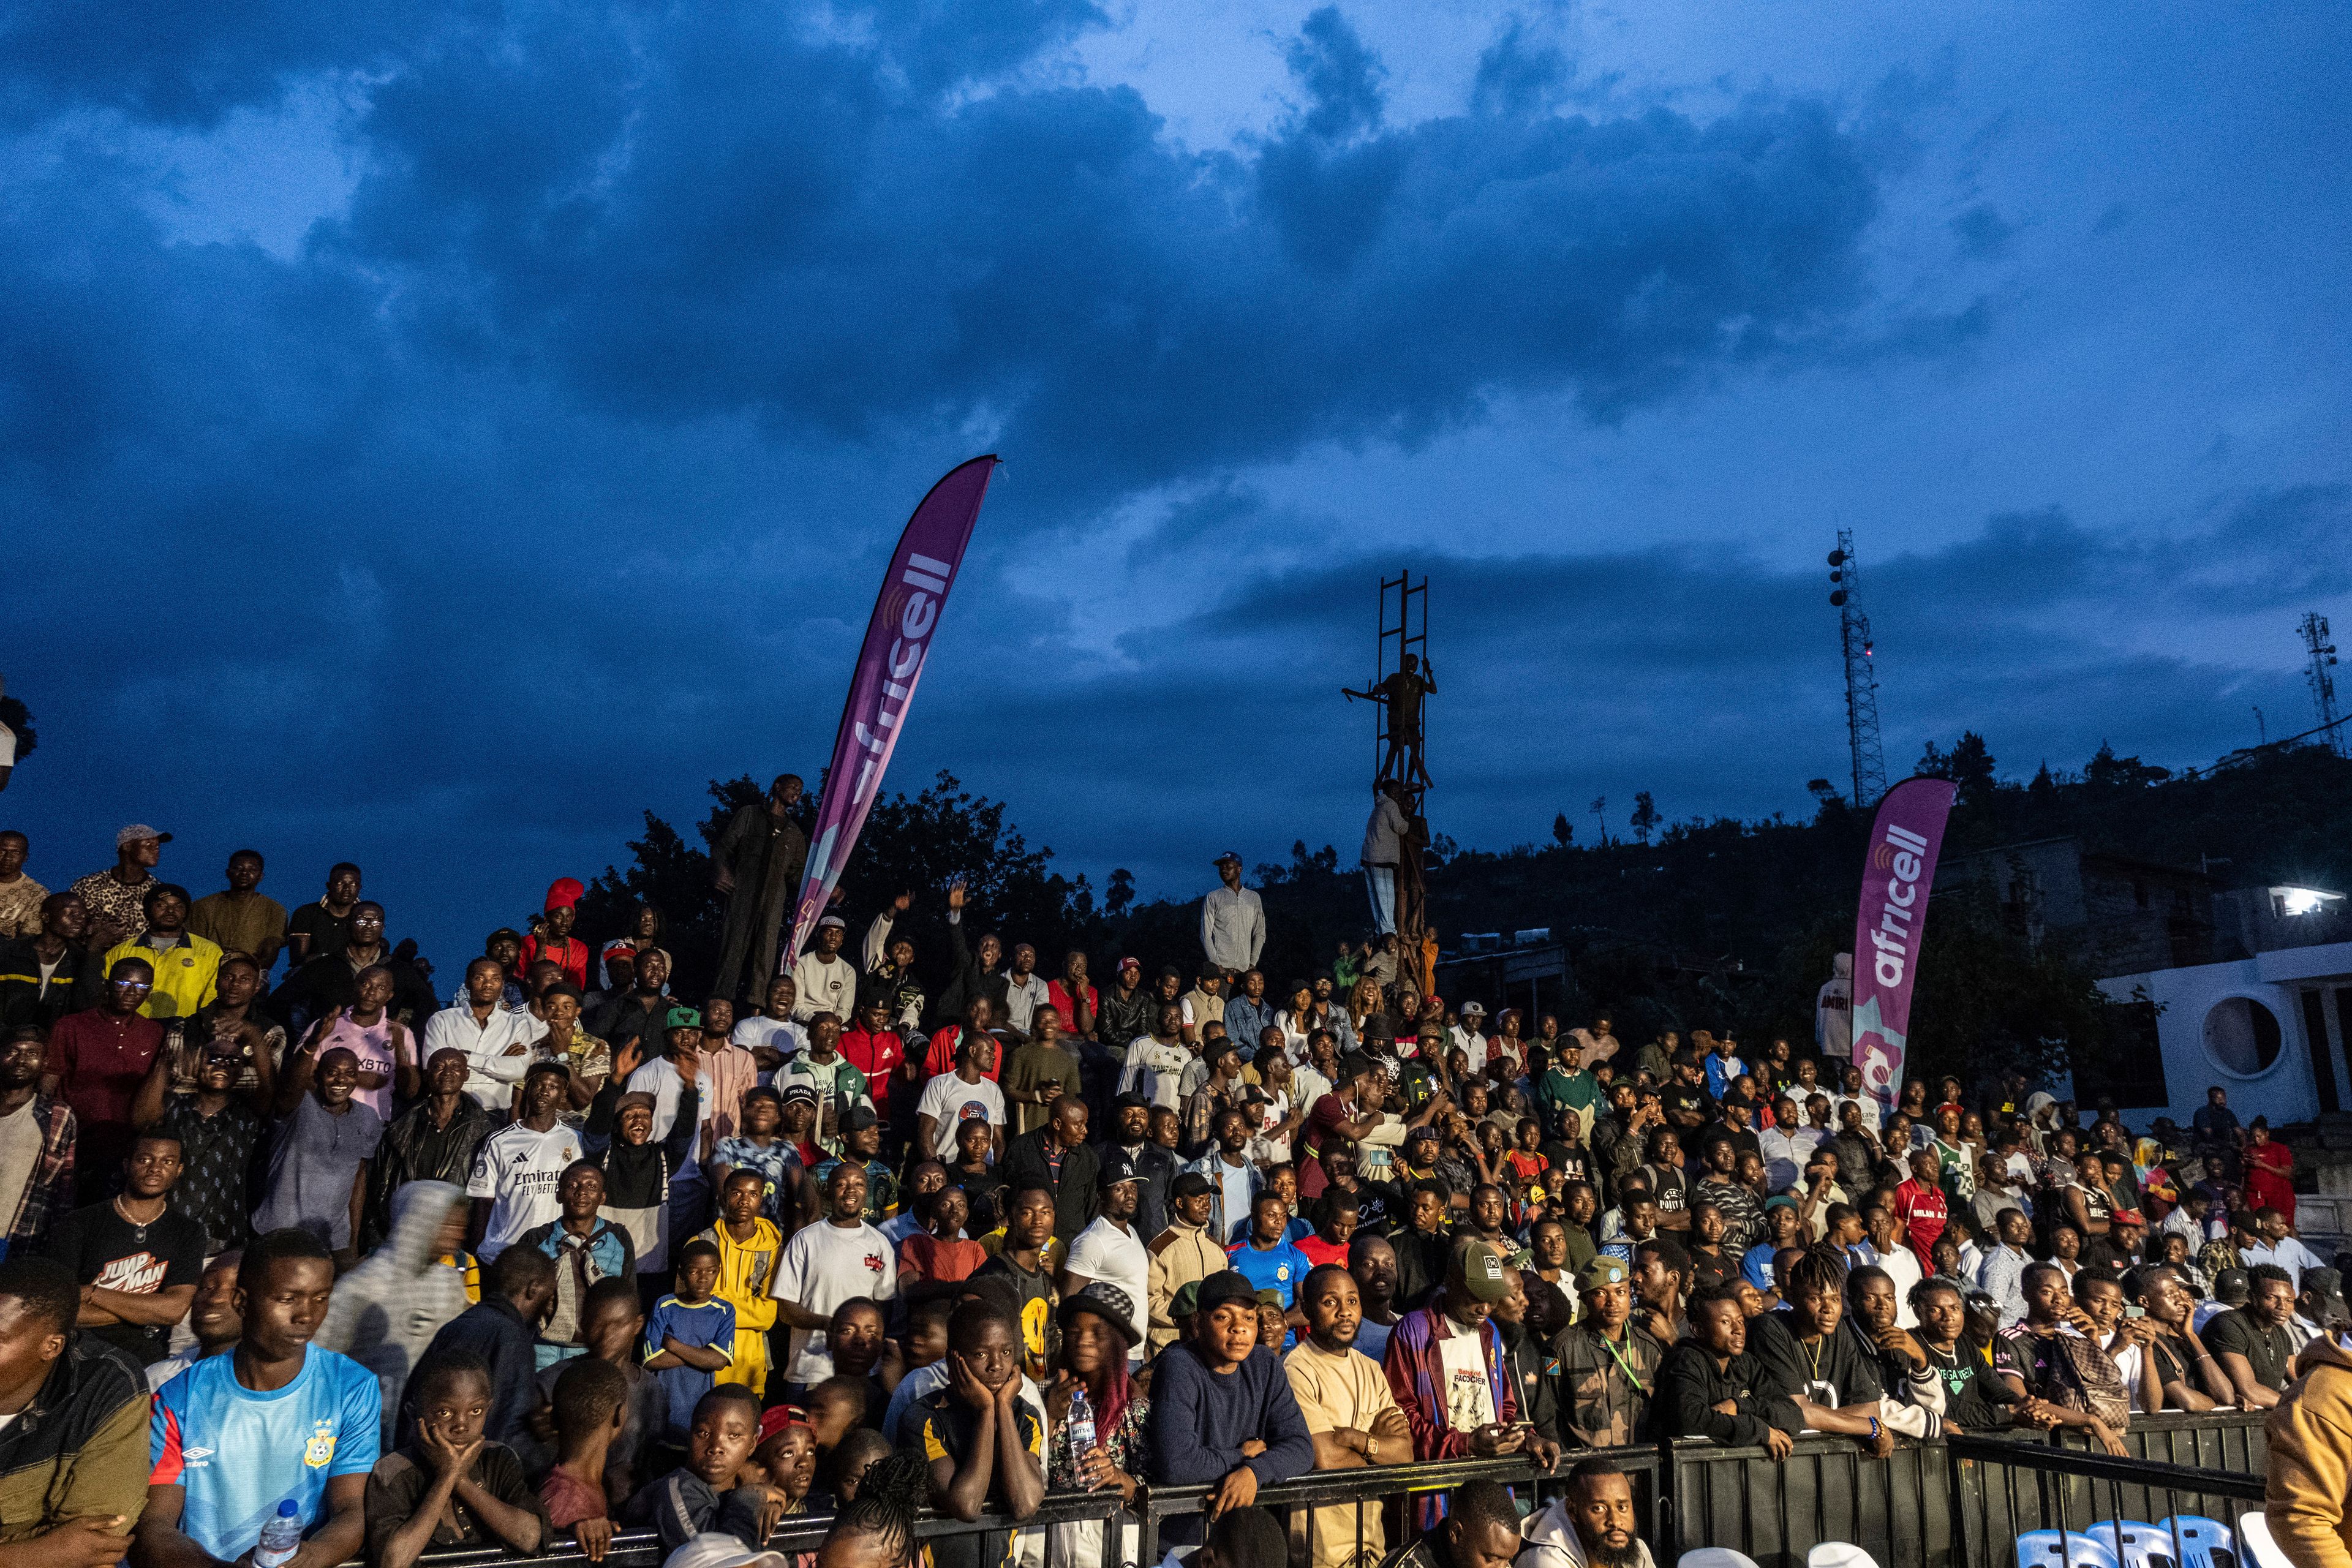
column 2323, row 685
column 1860, row 675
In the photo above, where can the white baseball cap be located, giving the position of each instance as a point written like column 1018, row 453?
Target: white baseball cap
column 713, row 1549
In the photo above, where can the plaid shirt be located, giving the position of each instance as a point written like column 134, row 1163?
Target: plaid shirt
column 49, row 1189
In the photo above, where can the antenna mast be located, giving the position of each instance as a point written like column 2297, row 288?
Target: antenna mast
column 2323, row 685
column 1861, row 674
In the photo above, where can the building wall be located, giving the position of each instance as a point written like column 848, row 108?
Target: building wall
column 2186, row 998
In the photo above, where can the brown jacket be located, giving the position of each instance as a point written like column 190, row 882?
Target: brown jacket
column 2310, row 1475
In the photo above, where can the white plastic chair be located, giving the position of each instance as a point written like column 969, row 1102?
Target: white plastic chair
column 2043, row 1549
column 1839, row 1555
column 2254, row 1539
column 1714, row 1557
column 2204, row 1543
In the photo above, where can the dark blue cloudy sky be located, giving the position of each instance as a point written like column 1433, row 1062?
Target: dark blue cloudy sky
column 435, row 431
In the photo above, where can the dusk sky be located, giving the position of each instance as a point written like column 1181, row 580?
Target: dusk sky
column 435, row 433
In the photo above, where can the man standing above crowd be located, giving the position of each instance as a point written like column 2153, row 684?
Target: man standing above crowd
column 756, row 863
column 1233, row 919
column 324, row 925
column 242, row 919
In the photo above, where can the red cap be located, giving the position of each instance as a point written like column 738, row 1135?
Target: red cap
column 564, row 892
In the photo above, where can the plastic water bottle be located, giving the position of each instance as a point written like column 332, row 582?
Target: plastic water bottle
column 280, row 1538
column 1082, row 1431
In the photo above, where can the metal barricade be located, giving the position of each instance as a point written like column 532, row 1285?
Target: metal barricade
column 2025, row 1504
column 1828, row 1488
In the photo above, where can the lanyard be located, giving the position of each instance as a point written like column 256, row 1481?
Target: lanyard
column 1623, row 1365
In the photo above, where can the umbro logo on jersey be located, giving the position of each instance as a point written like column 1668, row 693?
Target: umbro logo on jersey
column 193, row 1455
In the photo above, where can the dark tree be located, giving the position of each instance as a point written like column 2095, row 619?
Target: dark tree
column 1562, row 831
column 1646, row 818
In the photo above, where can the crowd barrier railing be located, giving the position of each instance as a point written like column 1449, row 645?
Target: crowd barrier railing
column 1972, row 1502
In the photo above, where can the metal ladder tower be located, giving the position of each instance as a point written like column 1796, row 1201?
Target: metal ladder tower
column 2323, row 685
column 1403, row 630
column 1861, row 674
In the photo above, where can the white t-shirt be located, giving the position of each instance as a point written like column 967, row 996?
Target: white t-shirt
column 823, row 986
column 1469, row 1397
column 781, row 1033
column 1902, row 1266
column 1113, row 1253
column 518, row 1171
column 1155, row 1071
column 950, row 1101
column 824, row 1266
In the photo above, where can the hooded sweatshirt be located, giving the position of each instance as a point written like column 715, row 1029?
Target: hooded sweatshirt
column 1552, row 1541
column 386, row 1311
column 2310, row 1471
column 636, row 1175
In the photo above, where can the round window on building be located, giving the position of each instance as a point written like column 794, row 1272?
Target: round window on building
column 2242, row 1036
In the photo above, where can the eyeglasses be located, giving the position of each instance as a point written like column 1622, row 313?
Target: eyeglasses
column 132, row 985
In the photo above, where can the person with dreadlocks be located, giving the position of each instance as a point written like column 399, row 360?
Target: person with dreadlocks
column 1817, row 1361
column 876, row 1528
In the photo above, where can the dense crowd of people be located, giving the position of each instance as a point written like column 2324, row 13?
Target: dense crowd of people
column 335, row 1264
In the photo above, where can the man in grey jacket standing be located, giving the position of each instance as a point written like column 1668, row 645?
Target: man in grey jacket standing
column 1233, row 919
column 1383, row 851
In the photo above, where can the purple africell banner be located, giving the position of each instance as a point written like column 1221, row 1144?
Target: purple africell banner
column 897, row 641
column 1889, row 924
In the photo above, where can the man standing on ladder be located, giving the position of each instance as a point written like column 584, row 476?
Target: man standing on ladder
column 1401, row 694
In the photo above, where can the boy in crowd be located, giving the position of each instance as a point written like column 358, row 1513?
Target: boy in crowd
column 986, row 1448
column 706, row 1492
column 450, row 1487
column 690, row 1339
column 591, row 1409
column 748, row 1248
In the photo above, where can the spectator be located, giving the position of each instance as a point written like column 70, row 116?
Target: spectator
column 451, row 1485
column 318, row 1165
column 771, row 1035
column 1233, row 919
column 1234, row 1176
column 387, row 1311
column 1608, row 1363
column 96, row 1061
column 1481, row 1529
column 1593, row 1522
column 786, row 1196
column 1458, row 1399
column 20, row 897
column 861, row 1138
column 967, row 1094
column 1712, row 1370
column 1661, row 1285
column 331, row 979
column 138, row 1262
column 74, row 1476
column 1350, row 1413
column 636, row 1167
column 1183, row 1254
column 378, row 1042
column 709, row 1492
column 588, row 1248
column 1832, row 1377
column 667, row 1078
column 494, row 1039
column 590, row 1407
column 1056, row 1155
column 640, row 1015
column 185, row 967
column 116, row 897
column 41, row 975
column 756, row 865
column 687, row 1341
column 213, row 1322
column 935, row 1261
column 232, row 1024
column 221, row 1438
column 2001, row 1274
column 324, row 925
column 241, row 918
column 826, row 980
column 554, row 940
column 1265, row 1256
column 503, row 1331
column 1222, row 1411
column 2064, row 1378
column 825, row 1265
column 2251, row 1344
column 2279, row 1248
column 612, row 1327
column 519, row 1168
column 1976, row 1398
column 1040, row 1073
column 2177, row 1372
column 1904, row 1368
column 434, row 1139
column 2309, row 1479
column 1110, row 1249
column 986, row 1448
column 1098, row 1333
column 748, row 1247
column 38, row 1138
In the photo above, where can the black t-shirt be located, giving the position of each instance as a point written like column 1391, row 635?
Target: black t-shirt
column 1677, row 1099
column 1710, row 1269
column 2268, row 1351
column 1974, row 1396
column 328, row 932
column 103, row 1249
column 1838, row 1370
